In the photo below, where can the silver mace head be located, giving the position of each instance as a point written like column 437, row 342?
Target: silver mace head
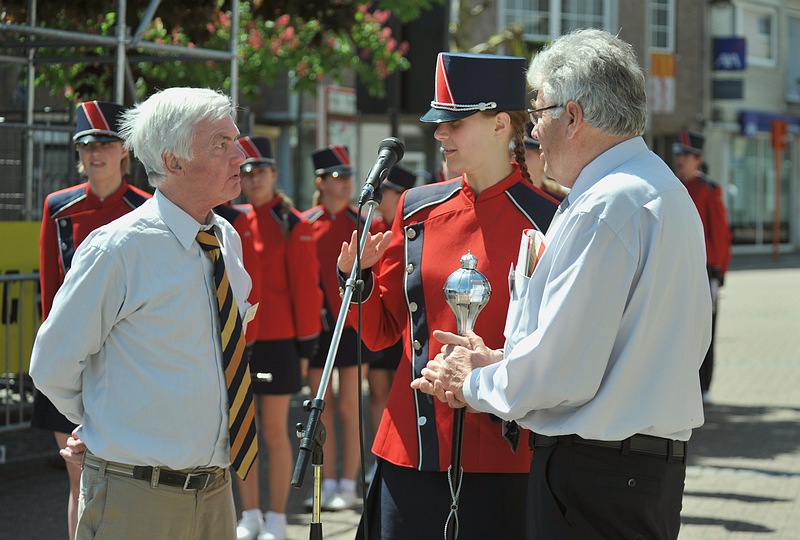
column 467, row 291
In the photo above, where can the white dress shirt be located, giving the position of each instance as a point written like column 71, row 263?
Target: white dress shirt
column 605, row 338
column 131, row 349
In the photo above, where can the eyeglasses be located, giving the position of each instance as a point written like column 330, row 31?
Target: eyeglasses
column 536, row 114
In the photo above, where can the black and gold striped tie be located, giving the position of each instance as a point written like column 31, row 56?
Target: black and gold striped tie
column 241, row 413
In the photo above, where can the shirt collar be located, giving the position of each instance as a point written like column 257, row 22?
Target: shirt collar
column 181, row 224
column 606, row 162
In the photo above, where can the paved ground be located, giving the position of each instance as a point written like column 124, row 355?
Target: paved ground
column 743, row 480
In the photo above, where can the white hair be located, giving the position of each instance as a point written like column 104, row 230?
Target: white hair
column 600, row 72
column 166, row 123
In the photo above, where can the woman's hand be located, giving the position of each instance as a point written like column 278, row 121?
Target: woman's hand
column 373, row 250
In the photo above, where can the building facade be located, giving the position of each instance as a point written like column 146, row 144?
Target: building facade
column 728, row 68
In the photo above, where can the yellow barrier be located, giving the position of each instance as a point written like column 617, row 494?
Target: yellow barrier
column 19, row 295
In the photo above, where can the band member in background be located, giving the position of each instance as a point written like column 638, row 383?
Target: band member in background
column 533, row 157
column 285, row 273
column 334, row 219
column 68, row 217
column 707, row 196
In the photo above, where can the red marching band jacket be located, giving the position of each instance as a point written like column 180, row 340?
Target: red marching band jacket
column 280, row 256
column 330, row 230
column 707, row 196
column 69, row 216
column 435, row 226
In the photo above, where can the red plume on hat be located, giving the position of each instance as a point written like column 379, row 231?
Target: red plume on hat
column 258, row 151
column 688, row 142
column 333, row 160
column 97, row 121
column 468, row 83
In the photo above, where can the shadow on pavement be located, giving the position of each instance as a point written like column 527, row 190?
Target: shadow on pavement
column 735, row 497
column 729, row 524
column 759, row 432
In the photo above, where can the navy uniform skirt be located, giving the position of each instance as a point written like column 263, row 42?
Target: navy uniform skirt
column 404, row 503
column 274, row 367
column 345, row 354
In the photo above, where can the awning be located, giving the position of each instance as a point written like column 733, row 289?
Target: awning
column 754, row 121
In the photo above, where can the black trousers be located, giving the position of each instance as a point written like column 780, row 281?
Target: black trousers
column 587, row 492
column 407, row 504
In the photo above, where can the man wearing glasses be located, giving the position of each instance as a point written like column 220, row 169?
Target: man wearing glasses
column 605, row 336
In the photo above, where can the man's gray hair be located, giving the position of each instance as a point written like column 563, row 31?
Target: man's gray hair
column 599, row 71
column 166, row 124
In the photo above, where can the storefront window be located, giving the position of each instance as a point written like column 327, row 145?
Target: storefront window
column 750, row 194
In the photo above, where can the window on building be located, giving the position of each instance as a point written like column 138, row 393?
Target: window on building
column 545, row 20
column 758, row 24
column 662, row 25
column 750, row 194
column 793, row 61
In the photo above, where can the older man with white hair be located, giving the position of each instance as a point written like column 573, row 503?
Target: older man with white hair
column 155, row 305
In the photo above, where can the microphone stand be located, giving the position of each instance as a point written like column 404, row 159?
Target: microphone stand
column 312, row 435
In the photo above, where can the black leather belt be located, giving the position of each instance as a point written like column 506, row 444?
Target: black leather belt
column 646, row 445
column 156, row 476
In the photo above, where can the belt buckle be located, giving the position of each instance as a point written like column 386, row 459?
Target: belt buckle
column 189, row 477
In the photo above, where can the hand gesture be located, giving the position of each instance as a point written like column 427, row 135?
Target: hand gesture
column 373, row 250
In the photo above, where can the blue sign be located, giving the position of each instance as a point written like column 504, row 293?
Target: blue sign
column 729, row 54
column 754, row 121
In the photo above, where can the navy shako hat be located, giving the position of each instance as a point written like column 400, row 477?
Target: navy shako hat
column 467, row 83
column 333, row 160
column 528, row 140
column 258, row 151
column 399, row 179
column 688, row 142
column 98, row 121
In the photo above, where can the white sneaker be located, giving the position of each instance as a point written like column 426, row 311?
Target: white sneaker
column 325, row 495
column 250, row 526
column 341, row 500
column 333, row 500
column 273, row 530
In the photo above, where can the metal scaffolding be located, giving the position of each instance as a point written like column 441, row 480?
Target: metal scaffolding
column 122, row 43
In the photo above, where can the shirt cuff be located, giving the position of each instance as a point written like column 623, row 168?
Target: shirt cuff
column 470, row 389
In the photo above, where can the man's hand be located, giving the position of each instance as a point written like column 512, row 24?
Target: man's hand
column 73, row 452
column 444, row 376
column 373, row 250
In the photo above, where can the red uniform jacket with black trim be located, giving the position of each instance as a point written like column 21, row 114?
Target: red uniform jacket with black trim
column 286, row 269
column 236, row 215
column 69, row 216
column 707, row 196
column 330, row 230
column 438, row 225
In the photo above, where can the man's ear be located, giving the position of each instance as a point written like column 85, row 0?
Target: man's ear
column 574, row 117
column 172, row 164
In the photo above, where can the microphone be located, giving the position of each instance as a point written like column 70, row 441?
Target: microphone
column 390, row 151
